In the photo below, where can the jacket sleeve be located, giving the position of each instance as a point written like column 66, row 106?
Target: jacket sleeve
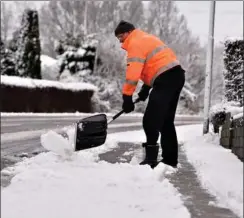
column 135, row 64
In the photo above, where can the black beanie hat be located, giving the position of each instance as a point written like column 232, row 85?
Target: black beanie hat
column 123, row 27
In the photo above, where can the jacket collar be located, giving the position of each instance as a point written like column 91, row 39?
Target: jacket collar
column 132, row 35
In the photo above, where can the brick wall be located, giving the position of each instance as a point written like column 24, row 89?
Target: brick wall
column 49, row 99
column 232, row 135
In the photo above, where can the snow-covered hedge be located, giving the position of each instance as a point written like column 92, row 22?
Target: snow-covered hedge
column 76, row 54
column 7, row 61
column 233, row 75
column 234, row 67
column 218, row 113
column 35, row 83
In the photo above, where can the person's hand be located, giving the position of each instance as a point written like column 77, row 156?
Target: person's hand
column 128, row 105
column 144, row 92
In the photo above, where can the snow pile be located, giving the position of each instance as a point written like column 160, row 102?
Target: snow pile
column 35, row 83
column 57, row 143
column 49, row 186
column 49, row 68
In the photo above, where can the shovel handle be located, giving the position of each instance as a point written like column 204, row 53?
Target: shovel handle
column 121, row 112
column 117, row 115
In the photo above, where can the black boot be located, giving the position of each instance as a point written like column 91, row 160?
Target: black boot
column 151, row 155
column 174, row 165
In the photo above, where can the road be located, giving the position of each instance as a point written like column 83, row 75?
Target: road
column 21, row 134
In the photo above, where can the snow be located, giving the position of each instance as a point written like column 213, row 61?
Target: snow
column 227, row 107
column 233, row 38
column 35, row 83
column 182, row 117
column 190, row 95
column 219, row 170
column 237, row 116
column 48, row 185
column 57, row 143
column 6, row 137
column 81, row 52
column 96, row 192
column 23, row 135
column 49, row 68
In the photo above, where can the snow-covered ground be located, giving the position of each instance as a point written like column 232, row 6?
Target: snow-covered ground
column 78, row 114
column 219, row 170
column 83, row 186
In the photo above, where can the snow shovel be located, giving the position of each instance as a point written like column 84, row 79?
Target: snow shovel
column 92, row 131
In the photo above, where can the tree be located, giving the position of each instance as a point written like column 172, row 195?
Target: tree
column 7, row 65
column 133, row 11
column 108, row 17
column 165, row 21
column 6, row 20
column 11, row 12
column 61, row 19
column 76, row 57
column 28, row 52
column 71, row 17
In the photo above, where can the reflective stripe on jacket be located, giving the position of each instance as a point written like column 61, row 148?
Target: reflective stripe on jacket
column 147, row 58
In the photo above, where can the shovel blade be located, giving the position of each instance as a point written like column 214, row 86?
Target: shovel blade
column 91, row 132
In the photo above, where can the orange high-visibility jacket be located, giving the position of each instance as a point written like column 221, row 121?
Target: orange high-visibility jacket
column 147, row 58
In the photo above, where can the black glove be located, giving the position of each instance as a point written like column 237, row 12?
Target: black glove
column 144, row 92
column 128, row 105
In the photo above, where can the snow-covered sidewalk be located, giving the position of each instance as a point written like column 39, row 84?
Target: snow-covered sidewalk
column 218, row 169
column 48, row 186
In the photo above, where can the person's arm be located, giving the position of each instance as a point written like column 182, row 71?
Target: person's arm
column 135, row 64
column 144, row 92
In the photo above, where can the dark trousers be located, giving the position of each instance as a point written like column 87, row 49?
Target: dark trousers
column 160, row 112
